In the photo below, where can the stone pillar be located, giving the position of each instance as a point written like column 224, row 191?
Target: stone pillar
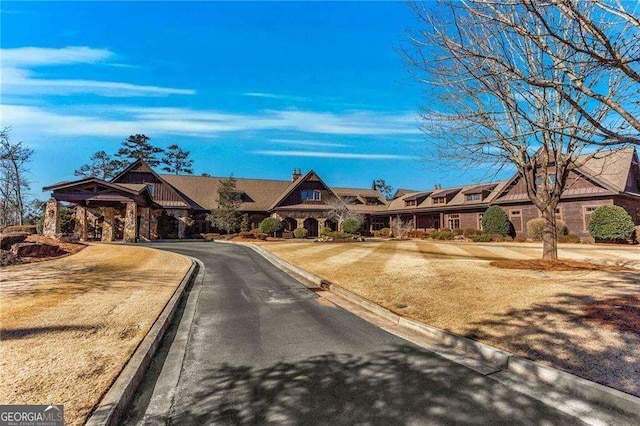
column 300, row 223
column 321, row 225
column 181, row 225
column 51, row 225
column 108, row 226
column 415, row 222
column 130, row 223
column 145, row 223
column 153, row 224
column 81, row 223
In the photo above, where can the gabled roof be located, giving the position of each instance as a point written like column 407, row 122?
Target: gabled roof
column 445, row 192
column 480, row 188
column 295, row 184
column 203, row 190
column 611, row 168
column 118, row 187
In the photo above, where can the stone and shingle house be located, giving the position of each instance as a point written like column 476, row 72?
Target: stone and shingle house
column 142, row 204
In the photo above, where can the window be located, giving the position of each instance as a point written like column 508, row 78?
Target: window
column 515, row 216
column 473, row 197
column 558, row 213
column 551, row 180
column 453, row 221
column 586, row 215
column 440, row 200
column 409, row 203
column 371, row 201
column 310, row 194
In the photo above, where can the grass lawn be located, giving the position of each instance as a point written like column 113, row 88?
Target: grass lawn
column 586, row 322
column 68, row 326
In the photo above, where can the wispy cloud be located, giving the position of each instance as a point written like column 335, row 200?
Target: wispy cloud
column 342, row 155
column 298, row 142
column 18, row 78
column 274, row 96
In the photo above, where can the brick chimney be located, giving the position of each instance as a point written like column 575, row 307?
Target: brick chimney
column 296, row 174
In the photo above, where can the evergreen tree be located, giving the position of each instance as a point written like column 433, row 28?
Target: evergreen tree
column 138, row 147
column 102, row 166
column 226, row 216
column 382, row 186
column 177, row 161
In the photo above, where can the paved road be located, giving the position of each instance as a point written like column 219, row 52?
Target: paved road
column 262, row 348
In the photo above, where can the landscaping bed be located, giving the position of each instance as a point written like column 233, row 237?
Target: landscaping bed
column 68, row 326
column 584, row 320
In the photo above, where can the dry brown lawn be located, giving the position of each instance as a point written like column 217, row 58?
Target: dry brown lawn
column 68, row 326
column 586, row 322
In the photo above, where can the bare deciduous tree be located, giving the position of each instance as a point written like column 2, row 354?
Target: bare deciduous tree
column 400, row 227
column 13, row 182
column 517, row 87
column 338, row 210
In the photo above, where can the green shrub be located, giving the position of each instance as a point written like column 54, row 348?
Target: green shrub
column 442, row 235
column 300, row 233
column 497, row 238
column 326, row 231
column 382, row 233
column 495, row 221
column 270, row 225
column 570, row 238
column 351, row 224
column 415, row 233
column 458, row 231
column 519, row 238
column 471, row 231
column 338, row 235
column 610, row 223
column 535, row 228
column 481, row 238
column 245, row 226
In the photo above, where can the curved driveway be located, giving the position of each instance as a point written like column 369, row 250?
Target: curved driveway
column 255, row 346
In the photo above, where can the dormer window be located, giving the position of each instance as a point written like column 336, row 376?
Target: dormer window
column 310, row 194
column 551, row 180
column 371, row 201
column 440, row 200
column 473, row 197
column 409, row 203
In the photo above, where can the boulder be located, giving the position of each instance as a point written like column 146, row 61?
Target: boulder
column 36, row 250
column 8, row 239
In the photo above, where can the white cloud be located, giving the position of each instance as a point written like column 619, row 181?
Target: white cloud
column 273, row 96
column 17, row 77
column 298, row 142
column 342, row 155
column 116, row 121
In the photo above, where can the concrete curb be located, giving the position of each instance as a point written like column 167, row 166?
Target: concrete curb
column 526, row 369
column 112, row 405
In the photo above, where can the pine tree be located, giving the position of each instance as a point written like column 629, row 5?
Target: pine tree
column 177, row 161
column 138, row 147
column 226, row 216
column 102, row 166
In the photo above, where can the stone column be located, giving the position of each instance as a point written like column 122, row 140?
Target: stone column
column 321, row 225
column 415, row 222
column 108, row 226
column 130, row 223
column 300, row 223
column 51, row 225
column 182, row 225
column 153, row 224
column 81, row 223
column 145, row 223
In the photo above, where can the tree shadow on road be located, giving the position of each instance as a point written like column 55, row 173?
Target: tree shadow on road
column 404, row 385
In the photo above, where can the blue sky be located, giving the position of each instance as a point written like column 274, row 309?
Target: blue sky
column 252, row 89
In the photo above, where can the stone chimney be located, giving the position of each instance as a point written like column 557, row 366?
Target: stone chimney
column 296, row 174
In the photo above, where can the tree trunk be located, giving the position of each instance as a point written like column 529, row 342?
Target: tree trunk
column 549, row 233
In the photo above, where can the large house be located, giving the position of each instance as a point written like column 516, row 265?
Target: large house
column 142, row 204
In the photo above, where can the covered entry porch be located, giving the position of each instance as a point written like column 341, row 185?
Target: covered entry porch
column 123, row 211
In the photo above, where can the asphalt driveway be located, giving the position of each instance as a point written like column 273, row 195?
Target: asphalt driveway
column 260, row 348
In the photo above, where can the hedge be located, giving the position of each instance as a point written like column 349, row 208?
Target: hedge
column 300, row 233
column 535, row 228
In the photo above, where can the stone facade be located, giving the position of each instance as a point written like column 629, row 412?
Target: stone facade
column 51, row 226
column 108, row 225
column 81, row 223
column 130, row 220
column 145, row 223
